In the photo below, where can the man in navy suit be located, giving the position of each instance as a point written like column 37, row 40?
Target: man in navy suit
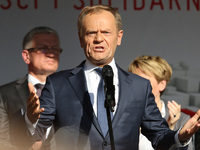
column 70, row 97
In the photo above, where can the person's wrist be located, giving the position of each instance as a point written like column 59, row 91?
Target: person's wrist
column 171, row 126
column 181, row 138
column 31, row 118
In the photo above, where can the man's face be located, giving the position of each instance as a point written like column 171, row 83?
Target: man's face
column 100, row 37
column 43, row 63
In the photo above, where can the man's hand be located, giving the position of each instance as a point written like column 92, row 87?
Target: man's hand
column 174, row 113
column 190, row 127
column 33, row 105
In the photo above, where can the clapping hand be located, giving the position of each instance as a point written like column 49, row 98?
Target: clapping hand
column 190, row 127
column 174, row 113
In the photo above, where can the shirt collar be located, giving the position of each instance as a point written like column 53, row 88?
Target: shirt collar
column 89, row 67
column 33, row 80
column 163, row 113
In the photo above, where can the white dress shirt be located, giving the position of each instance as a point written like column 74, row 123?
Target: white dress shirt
column 33, row 80
column 92, row 79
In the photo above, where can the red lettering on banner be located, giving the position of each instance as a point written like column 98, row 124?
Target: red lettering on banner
column 6, row 7
column 139, row 8
column 157, row 3
column 141, row 4
column 20, row 6
column 177, row 4
column 196, row 4
column 36, row 4
column 110, row 3
column 55, row 4
column 138, row 5
column 81, row 6
column 125, row 5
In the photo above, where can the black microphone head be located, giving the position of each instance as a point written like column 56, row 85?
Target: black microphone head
column 107, row 71
column 107, row 74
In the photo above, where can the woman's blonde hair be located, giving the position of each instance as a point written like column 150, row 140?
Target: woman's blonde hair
column 152, row 65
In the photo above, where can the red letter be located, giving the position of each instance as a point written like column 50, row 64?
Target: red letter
column 177, row 4
column 138, row 8
column 80, row 7
column 196, row 4
column 91, row 3
column 19, row 5
column 125, row 5
column 6, row 7
column 110, row 3
column 157, row 3
column 36, row 4
column 55, row 4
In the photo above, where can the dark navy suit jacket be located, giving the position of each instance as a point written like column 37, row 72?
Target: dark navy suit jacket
column 67, row 105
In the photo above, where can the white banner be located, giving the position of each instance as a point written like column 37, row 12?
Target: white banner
column 166, row 28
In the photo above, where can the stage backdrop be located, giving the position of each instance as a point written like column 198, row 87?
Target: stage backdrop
column 166, row 28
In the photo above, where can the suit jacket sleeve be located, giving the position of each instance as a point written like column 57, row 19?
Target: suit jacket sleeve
column 47, row 117
column 154, row 127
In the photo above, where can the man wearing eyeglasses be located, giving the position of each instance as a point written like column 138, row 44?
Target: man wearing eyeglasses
column 41, row 51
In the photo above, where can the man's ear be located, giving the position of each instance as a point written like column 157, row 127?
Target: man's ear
column 120, row 35
column 26, row 56
column 80, row 39
column 162, row 85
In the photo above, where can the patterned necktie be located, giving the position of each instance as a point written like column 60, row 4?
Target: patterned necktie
column 39, row 88
column 101, row 110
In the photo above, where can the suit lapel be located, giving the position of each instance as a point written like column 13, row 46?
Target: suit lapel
column 78, row 82
column 124, row 89
column 23, row 91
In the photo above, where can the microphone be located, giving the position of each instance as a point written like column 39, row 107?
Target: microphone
column 107, row 74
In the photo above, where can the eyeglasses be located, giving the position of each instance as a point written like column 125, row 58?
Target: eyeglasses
column 46, row 50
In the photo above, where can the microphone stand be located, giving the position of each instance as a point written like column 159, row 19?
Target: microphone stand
column 109, row 88
column 109, row 105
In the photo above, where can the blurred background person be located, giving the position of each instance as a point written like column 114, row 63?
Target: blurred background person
column 41, row 51
column 158, row 71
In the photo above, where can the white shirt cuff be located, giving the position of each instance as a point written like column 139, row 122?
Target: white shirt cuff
column 31, row 127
